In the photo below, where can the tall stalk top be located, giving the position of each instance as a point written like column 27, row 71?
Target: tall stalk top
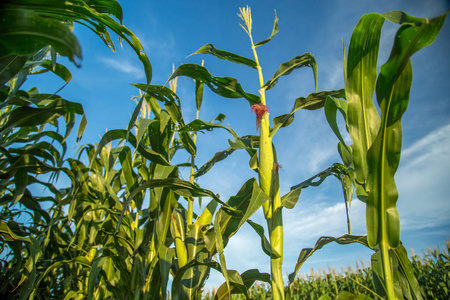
column 246, row 16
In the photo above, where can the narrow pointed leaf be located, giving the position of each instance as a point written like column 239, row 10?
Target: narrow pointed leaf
column 219, row 156
column 274, row 32
column 305, row 60
column 307, row 252
column 223, row 86
column 210, row 49
column 312, row 102
column 265, row 244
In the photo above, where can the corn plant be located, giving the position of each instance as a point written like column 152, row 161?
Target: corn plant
column 34, row 240
column 262, row 152
column 374, row 156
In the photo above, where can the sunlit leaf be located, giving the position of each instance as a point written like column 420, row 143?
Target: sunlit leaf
column 210, row 49
column 274, row 32
column 223, row 86
column 305, row 60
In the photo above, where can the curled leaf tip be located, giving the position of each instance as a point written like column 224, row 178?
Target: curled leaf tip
column 259, row 109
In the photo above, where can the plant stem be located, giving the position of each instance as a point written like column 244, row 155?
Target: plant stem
column 269, row 184
column 190, row 214
column 387, row 270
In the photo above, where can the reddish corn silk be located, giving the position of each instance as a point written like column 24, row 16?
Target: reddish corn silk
column 276, row 167
column 259, row 109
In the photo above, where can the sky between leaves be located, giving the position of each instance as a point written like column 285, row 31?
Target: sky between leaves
column 171, row 30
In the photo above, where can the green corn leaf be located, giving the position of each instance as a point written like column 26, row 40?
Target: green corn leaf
column 363, row 121
column 142, row 128
column 241, row 283
column 274, row 32
column 135, row 114
column 181, row 187
column 219, row 247
column 47, row 65
column 409, row 284
column 247, row 201
column 100, row 264
column 265, row 244
column 166, row 256
column 305, row 60
column 307, row 252
column 317, row 179
column 165, row 95
column 198, row 125
column 344, row 295
column 312, row 102
column 10, row 66
column 177, row 291
column 10, row 236
column 121, row 134
column 221, row 54
column 199, row 86
column 290, row 199
column 24, row 32
column 392, row 89
column 96, row 15
column 219, row 156
column 223, row 86
column 332, row 105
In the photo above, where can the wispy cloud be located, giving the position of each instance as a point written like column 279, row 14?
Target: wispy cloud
column 422, row 182
column 124, row 66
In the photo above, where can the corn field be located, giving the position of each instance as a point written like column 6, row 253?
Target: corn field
column 116, row 218
column 432, row 270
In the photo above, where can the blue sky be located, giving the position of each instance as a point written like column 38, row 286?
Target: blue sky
column 171, row 30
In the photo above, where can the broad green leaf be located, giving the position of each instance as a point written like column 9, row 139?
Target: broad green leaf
column 10, row 66
column 181, row 187
column 219, row 247
column 96, row 15
column 223, row 86
column 274, row 32
column 344, row 295
column 24, row 32
column 47, row 65
column 332, row 105
column 241, row 283
column 121, row 134
column 392, row 89
column 194, row 278
column 410, row 286
column 219, row 156
column 363, row 121
column 177, row 292
column 290, row 199
column 10, row 236
column 247, row 201
column 265, row 244
column 166, row 256
column 210, row 49
column 305, row 60
column 165, row 95
column 307, row 252
column 311, row 102
column 20, row 182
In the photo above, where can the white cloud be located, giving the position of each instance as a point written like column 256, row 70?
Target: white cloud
column 124, row 66
column 423, row 182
